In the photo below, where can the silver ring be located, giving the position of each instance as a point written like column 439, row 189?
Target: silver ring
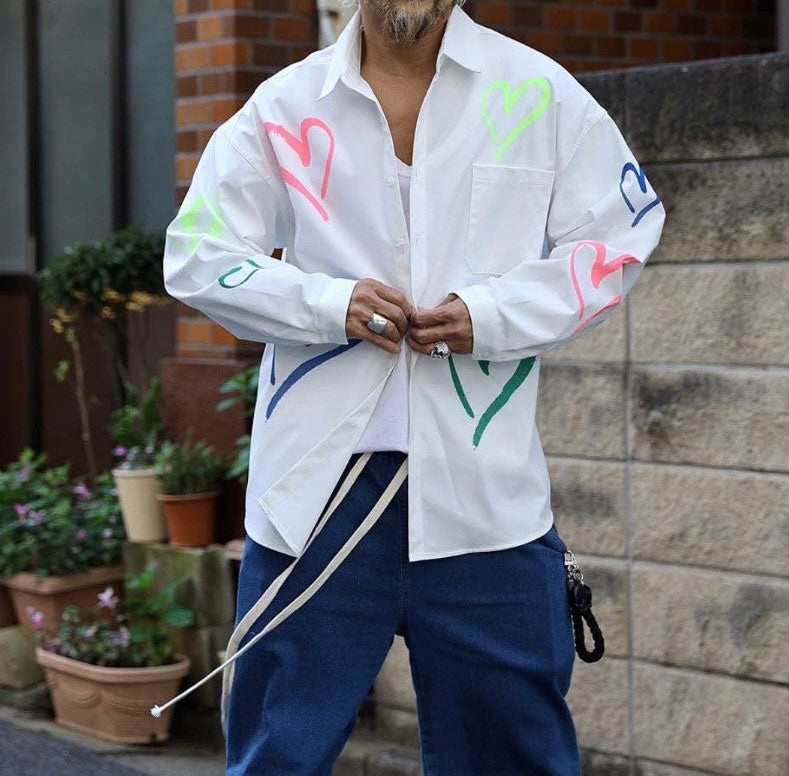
column 377, row 323
column 440, row 350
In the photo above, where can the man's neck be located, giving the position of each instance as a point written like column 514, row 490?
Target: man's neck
column 380, row 54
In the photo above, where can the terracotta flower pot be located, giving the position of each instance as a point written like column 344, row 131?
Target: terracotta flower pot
column 191, row 517
column 142, row 513
column 50, row 595
column 113, row 704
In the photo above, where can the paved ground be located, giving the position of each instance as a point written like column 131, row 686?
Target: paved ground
column 24, row 753
column 33, row 745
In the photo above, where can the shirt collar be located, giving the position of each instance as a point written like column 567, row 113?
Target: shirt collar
column 459, row 43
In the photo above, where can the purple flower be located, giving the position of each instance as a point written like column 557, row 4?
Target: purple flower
column 82, row 490
column 119, row 450
column 23, row 473
column 120, row 638
column 20, row 509
column 107, row 533
column 107, row 598
column 36, row 617
column 35, row 517
column 81, row 535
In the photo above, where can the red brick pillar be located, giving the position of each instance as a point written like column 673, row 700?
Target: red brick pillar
column 224, row 49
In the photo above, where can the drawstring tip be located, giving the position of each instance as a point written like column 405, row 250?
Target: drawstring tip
column 156, row 711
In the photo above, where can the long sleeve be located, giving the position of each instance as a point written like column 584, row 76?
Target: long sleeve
column 217, row 253
column 603, row 222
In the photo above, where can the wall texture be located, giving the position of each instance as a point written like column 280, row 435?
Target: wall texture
column 603, row 34
column 667, row 430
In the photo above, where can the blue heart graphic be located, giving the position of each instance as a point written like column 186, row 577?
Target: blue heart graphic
column 642, row 184
column 303, row 369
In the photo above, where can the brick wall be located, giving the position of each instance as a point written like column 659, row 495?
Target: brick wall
column 606, row 34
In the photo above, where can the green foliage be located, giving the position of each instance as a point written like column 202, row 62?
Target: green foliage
column 129, row 633
column 188, row 467
column 239, row 467
column 102, row 277
column 53, row 524
column 245, row 386
column 137, row 428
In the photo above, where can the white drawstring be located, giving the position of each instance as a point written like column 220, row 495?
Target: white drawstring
column 232, row 652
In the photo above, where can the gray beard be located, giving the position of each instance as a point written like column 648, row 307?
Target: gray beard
column 402, row 26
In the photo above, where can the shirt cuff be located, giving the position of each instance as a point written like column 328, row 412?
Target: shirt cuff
column 482, row 309
column 332, row 310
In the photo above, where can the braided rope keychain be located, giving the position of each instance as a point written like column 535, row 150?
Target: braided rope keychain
column 579, row 598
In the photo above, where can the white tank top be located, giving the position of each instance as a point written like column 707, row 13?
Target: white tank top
column 387, row 428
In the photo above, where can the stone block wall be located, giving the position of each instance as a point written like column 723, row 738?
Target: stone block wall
column 667, row 432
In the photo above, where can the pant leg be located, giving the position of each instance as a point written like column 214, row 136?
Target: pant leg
column 296, row 693
column 491, row 650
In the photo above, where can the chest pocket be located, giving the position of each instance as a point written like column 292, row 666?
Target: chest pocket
column 509, row 207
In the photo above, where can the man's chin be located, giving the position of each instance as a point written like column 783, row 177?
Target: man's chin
column 411, row 24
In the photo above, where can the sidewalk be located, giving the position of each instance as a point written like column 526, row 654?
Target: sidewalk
column 31, row 744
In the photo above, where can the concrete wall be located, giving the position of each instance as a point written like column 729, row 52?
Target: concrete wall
column 667, row 430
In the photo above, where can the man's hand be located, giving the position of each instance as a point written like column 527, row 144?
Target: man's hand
column 373, row 296
column 449, row 321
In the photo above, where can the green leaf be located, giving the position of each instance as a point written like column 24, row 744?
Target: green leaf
column 179, row 617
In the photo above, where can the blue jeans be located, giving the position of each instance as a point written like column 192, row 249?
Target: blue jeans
column 489, row 636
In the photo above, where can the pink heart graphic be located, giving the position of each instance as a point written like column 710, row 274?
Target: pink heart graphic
column 302, row 148
column 600, row 268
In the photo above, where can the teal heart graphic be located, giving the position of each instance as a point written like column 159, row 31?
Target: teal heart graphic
column 517, row 378
column 511, row 98
column 223, row 277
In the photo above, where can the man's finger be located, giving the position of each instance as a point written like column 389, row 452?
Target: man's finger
column 434, row 316
column 395, row 297
column 432, row 333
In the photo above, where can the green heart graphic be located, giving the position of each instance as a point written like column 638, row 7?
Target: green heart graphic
column 511, row 97
column 190, row 215
column 515, row 381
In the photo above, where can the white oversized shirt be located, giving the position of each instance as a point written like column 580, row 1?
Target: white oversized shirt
column 524, row 200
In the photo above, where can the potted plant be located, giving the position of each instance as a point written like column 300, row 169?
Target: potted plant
column 105, row 666
column 107, row 286
column 189, row 477
column 137, row 430
column 60, row 539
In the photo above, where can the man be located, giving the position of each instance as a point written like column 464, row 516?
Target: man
column 451, row 204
